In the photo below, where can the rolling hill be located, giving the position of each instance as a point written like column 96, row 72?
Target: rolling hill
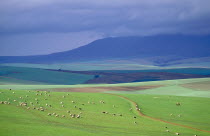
column 159, row 50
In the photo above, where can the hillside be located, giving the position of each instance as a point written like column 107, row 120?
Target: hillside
column 159, row 49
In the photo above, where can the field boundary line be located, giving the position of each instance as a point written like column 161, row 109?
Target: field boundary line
column 143, row 115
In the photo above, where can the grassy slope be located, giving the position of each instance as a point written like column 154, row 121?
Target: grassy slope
column 16, row 120
column 91, row 65
column 13, row 81
column 171, row 87
column 194, row 111
column 44, row 76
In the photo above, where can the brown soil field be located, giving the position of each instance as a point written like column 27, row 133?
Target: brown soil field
column 203, row 86
column 101, row 89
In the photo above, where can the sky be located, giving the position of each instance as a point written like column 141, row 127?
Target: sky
column 35, row 27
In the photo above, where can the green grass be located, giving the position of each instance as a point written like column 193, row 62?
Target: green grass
column 194, row 111
column 19, row 121
column 34, row 75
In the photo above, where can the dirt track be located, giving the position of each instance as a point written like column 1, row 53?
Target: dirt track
column 102, row 89
column 141, row 114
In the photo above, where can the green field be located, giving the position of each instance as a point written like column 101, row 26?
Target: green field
column 191, row 117
column 20, row 75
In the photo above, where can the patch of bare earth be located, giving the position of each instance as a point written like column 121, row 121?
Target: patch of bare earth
column 203, row 86
column 101, row 89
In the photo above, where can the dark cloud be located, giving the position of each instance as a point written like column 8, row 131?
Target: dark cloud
column 104, row 17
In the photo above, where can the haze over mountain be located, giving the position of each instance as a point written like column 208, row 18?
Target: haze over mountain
column 164, row 47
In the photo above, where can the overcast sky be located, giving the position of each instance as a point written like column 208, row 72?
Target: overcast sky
column 31, row 27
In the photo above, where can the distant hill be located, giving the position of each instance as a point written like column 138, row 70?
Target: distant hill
column 159, row 49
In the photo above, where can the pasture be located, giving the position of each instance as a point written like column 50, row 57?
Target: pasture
column 36, row 110
column 20, row 75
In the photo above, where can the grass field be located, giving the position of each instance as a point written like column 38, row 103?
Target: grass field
column 190, row 118
column 20, row 75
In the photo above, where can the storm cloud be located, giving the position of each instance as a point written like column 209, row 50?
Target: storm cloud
column 95, row 19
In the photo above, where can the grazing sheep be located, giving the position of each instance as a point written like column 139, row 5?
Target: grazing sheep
column 120, row 114
column 36, row 99
column 103, row 112
column 1, row 102
column 73, row 116
column 26, row 95
column 114, row 114
column 23, row 104
column 13, row 92
column 195, row 135
column 62, row 105
column 50, row 105
column 63, row 116
column 178, row 104
column 167, row 130
column 14, row 100
column 41, row 108
column 179, row 115
column 75, row 106
column 56, row 115
column 80, row 108
column 171, row 114
column 61, row 102
column 46, row 104
column 8, row 103
column 49, row 114
column 177, row 133
column 37, row 94
column 37, row 102
column 20, row 97
column 135, row 122
column 28, row 108
column 63, row 96
column 72, row 101
column 48, row 94
column 31, row 102
column 134, row 117
column 68, row 111
column 78, row 116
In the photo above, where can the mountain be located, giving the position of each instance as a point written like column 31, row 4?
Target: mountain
column 159, row 49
